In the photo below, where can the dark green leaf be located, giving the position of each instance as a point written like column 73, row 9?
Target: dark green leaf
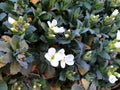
column 2, row 16
column 6, row 7
column 77, row 87
column 104, row 55
column 30, row 29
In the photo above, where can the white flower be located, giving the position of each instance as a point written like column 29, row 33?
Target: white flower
column 118, row 35
column 117, row 44
column 52, row 24
column 112, row 79
column 52, row 57
column 68, row 59
column 58, row 29
column 115, row 12
column 11, row 20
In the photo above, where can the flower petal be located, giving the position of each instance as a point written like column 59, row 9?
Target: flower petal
column 117, row 44
column 118, row 35
column 112, row 79
column 60, row 55
column 54, row 22
column 48, row 57
column 11, row 20
column 51, row 51
column 69, row 59
column 62, row 63
column 56, row 29
column 49, row 23
column 115, row 12
column 54, row 63
column 61, row 30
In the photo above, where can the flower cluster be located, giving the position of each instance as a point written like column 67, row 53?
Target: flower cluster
column 55, row 57
column 54, row 29
column 94, row 18
column 18, row 26
column 110, row 18
column 113, row 74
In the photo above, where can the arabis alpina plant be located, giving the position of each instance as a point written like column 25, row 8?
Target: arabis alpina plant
column 18, row 26
column 112, row 79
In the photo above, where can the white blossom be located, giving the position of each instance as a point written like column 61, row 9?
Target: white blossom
column 52, row 24
column 11, row 20
column 118, row 35
column 68, row 59
column 55, row 57
column 115, row 12
column 117, row 44
column 52, row 57
column 112, row 79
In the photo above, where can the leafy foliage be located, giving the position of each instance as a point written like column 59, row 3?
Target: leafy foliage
column 84, row 29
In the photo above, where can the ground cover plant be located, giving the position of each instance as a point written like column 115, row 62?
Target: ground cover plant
column 59, row 44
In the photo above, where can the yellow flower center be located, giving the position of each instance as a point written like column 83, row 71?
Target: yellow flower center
column 52, row 58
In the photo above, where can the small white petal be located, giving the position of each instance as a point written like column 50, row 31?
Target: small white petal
column 62, row 63
column 112, row 79
column 117, row 44
column 118, row 35
column 60, row 54
column 51, row 51
column 54, row 63
column 61, row 30
column 115, row 12
column 54, row 22
column 48, row 57
column 69, row 59
column 11, row 20
column 56, row 29
column 49, row 23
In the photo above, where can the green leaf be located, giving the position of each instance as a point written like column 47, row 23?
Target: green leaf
column 15, row 68
column 104, row 55
column 2, row 16
column 62, row 76
column 3, row 85
column 77, row 87
column 4, row 46
column 93, row 86
column 6, row 7
column 23, row 45
column 30, row 30
column 14, row 42
column 83, row 67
